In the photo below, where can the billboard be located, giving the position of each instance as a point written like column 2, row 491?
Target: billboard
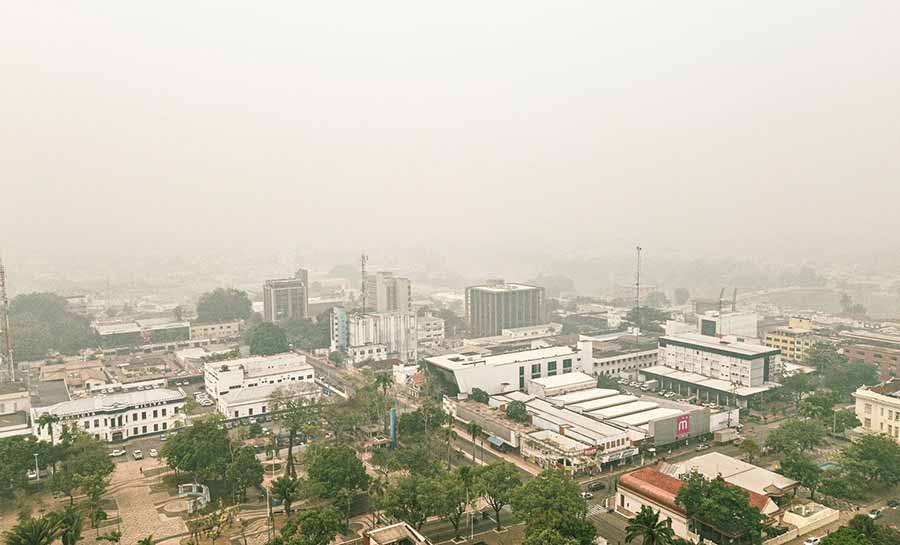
column 683, row 426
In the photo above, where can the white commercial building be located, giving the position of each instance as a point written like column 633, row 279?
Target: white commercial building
column 376, row 336
column 557, row 385
column 626, row 362
column 254, row 402
column 739, row 324
column 388, row 293
column 878, row 409
column 115, row 417
column 517, row 334
column 498, row 373
column 721, row 370
column 217, row 331
column 227, row 377
column 429, row 330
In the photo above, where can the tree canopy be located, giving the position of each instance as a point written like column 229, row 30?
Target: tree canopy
column 42, row 324
column 335, row 468
column 306, row 334
column 552, row 501
column 795, row 435
column 203, row 449
column 224, row 304
column 719, row 509
column 266, row 339
column 496, row 483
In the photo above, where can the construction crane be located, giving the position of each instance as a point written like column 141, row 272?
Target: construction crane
column 7, row 356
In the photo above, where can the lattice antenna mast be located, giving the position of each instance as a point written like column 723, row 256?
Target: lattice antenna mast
column 362, row 262
column 10, row 370
column 637, row 297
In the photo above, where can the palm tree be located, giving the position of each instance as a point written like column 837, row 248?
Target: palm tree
column 383, row 381
column 474, row 430
column 47, row 420
column 42, row 531
column 287, row 490
column 70, row 525
column 146, row 541
column 649, row 528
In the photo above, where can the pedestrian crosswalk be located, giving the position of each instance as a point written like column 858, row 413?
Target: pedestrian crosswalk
column 596, row 509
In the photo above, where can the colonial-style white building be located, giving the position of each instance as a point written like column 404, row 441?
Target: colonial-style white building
column 115, row 417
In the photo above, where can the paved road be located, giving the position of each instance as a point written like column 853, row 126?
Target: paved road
column 439, row 531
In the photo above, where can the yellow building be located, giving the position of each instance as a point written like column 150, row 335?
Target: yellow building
column 794, row 343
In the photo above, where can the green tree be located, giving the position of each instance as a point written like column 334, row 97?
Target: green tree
column 336, row 358
column 383, row 381
column 682, row 296
column 299, row 415
column 647, row 526
column 336, row 467
column 799, row 385
column 316, row 527
column 496, row 484
column 202, row 449
column 547, row 536
column 223, row 305
column 845, row 536
column 844, row 420
column 873, row 458
column 480, row 396
column 553, row 500
column 864, row 525
column 719, row 510
column 750, row 449
column 803, row 470
column 16, row 454
column 47, row 420
column 819, row 406
column 517, row 411
column 795, row 435
column 287, row 490
column 42, row 324
column 306, row 334
column 69, row 522
column 413, row 499
column 474, row 431
column 452, row 499
column 41, row 531
column 244, row 471
column 266, row 339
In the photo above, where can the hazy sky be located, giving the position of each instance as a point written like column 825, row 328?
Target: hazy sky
column 710, row 127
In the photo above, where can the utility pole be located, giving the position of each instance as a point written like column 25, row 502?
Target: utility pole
column 637, row 298
column 7, row 355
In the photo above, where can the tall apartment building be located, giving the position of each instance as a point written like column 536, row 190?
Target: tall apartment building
column 287, row 298
column 375, row 336
column 430, row 330
column 388, row 293
column 497, row 305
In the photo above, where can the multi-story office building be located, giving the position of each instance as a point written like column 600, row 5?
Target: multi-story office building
column 721, row 370
column 887, row 359
column 429, row 330
column 794, row 343
column 375, row 336
column 878, row 409
column 508, row 371
column 388, row 293
column 230, row 376
column 115, row 417
column 133, row 334
column 624, row 362
column 496, row 306
column 217, row 331
column 287, row 298
column 739, row 324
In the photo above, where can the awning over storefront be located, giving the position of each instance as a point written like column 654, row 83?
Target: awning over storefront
column 496, row 441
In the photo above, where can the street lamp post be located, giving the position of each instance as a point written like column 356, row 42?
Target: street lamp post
column 37, row 470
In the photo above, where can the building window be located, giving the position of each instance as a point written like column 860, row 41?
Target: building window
column 143, row 429
column 144, row 415
column 235, row 414
column 521, row 378
column 263, row 408
column 134, row 431
column 250, row 411
column 155, row 413
column 164, row 412
column 535, row 370
column 868, row 408
column 176, row 409
column 567, row 366
column 155, row 427
column 551, row 368
column 87, row 424
column 164, row 426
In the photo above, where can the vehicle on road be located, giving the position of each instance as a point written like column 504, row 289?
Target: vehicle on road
column 812, row 541
column 32, row 475
column 893, row 504
column 118, row 452
column 586, row 495
column 702, row 447
column 252, row 420
column 875, row 514
column 163, row 437
column 596, row 485
column 153, row 453
column 138, row 455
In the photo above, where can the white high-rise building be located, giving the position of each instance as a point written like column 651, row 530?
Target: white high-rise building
column 388, row 293
column 375, row 336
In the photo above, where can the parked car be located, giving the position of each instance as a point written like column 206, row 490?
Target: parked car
column 702, row 447
column 586, row 495
column 32, row 475
column 252, row 420
column 875, row 514
column 153, row 453
column 893, row 504
column 596, row 485
column 138, row 455
column 118, row 452
column 812, row 541
column 163, row 437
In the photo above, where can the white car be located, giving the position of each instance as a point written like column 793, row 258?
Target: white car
column 812, row 541
column 253, row 420
column 138, row 455
column 153, row 453
column 32, row 475
column 118, row 452
column 586, row 495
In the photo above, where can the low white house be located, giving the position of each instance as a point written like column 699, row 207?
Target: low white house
column 254, row 402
